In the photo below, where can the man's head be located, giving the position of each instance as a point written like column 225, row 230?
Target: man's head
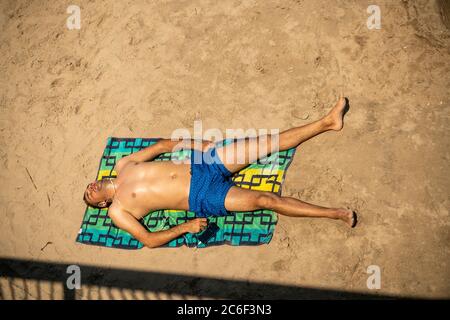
column 97, row 194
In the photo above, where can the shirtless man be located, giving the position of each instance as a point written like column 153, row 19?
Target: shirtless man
column 205, row 188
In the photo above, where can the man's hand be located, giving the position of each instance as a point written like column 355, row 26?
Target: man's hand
column 206, row 144
column 196, row 225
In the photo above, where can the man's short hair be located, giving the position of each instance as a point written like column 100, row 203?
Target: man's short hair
column 88, row 204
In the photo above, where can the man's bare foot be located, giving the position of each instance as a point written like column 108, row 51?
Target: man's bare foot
column 335, row 118
column 349, row 217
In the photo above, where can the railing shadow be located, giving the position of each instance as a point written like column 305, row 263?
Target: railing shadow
column 158, row 285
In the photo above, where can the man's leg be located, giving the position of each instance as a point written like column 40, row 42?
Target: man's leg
column 246, row 151
column 239, row 199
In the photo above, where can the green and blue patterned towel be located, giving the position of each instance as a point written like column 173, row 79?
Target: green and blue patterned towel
column 238, row 228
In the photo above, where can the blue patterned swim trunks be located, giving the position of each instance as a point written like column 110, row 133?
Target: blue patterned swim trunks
column 210, row 183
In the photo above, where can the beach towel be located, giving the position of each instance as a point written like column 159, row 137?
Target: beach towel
column 237, row 228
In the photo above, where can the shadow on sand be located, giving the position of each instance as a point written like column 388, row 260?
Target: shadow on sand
column 171, row 286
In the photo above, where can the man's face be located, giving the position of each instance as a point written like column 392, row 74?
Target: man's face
column 95, row 194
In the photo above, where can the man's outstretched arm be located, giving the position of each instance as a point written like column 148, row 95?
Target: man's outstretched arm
column 127, row 222
column 162, row 146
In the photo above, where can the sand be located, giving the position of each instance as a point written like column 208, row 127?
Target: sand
column 146, row 68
